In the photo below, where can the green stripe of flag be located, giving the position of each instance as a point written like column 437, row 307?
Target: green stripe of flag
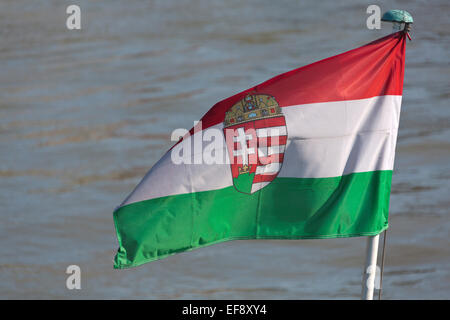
column 288, row 208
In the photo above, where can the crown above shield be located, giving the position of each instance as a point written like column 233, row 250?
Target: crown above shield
column 252, row 107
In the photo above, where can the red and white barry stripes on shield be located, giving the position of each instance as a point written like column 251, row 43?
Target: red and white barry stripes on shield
column 257, row 149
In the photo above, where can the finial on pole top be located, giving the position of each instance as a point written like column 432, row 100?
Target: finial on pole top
column 397, row 17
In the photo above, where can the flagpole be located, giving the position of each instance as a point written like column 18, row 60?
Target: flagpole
column 370, row 267
column 397, row 17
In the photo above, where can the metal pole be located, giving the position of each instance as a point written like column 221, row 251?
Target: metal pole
column 370, row 268
column 382, row 264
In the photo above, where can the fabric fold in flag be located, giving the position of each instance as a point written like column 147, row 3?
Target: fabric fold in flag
column 307, row 154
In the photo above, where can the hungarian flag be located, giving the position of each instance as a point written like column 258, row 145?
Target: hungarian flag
column 307, row 154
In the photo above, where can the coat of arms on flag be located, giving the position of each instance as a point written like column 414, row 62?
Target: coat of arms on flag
column 256, row 135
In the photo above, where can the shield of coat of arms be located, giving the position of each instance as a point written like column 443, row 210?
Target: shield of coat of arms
column 256, row 136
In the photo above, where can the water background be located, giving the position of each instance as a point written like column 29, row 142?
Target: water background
column 84, row 114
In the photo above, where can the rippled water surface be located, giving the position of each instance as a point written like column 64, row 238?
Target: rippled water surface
column 84, row 114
